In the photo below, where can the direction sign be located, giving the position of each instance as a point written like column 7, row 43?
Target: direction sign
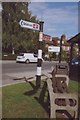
column 30, row 25
column 54, row 49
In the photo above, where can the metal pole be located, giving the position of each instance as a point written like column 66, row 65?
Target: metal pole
column 39, row 62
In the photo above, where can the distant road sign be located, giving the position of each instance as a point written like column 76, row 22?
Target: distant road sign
column 30, row 25
column 54, row 49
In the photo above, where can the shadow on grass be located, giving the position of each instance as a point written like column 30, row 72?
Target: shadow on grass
column 33, row 91
column 42, row 98
column 45, row 105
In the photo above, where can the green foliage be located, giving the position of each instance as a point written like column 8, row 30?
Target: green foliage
column 13, row 35
column 64, row 55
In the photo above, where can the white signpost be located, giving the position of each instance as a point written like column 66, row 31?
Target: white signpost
column 30, row 25
column 54, row 49
column 39, row 27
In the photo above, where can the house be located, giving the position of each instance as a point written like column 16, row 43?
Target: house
column 55, row 42
column 65, row 44
column 74, row 70
column 74, row 45
column 48, row 41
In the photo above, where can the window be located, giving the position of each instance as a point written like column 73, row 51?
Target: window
column 62, row 42
column 68, row 48
column 21, row 54
column 58, row 41
column 35, row 55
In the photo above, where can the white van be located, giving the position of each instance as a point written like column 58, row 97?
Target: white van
column 26, row 57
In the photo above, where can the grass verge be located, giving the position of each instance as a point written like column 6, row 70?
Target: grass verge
column 74, row 86
column 19, row 100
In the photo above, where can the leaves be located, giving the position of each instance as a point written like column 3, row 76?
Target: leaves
column 21, row 39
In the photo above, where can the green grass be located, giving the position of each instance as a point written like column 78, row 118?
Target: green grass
column 74, row 86
column 16, row 104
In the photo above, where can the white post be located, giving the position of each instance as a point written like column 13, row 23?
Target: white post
column 39, row 62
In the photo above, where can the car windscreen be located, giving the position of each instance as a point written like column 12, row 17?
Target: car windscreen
column 35, row 55
column 74, row 59
column 21, row 54
column 77, row 59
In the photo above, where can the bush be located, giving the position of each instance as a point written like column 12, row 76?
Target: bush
column 9, row 57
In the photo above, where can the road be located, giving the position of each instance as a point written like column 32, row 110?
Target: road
column 12, row 70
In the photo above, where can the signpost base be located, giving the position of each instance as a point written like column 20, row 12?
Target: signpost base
column 38, row 81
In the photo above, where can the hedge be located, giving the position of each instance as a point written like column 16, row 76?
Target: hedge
column 9, row 57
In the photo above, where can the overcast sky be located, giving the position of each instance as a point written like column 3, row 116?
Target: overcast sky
column 59, row 17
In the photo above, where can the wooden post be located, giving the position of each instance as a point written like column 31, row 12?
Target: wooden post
column 60, row 55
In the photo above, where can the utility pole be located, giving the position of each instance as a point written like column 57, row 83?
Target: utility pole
column 39, row 62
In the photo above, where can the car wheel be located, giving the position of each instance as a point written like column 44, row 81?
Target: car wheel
column 27, row 61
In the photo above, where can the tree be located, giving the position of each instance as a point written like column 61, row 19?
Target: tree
column 13, row 35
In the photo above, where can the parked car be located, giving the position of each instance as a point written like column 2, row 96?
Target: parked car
column 76, row 61
column 26, row 57
column 46, row 57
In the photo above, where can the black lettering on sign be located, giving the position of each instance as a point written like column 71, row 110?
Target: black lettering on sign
column 27, row 24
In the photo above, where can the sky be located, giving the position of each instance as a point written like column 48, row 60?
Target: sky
column 59, row 17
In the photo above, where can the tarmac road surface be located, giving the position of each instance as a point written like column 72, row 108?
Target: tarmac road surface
column 12, row 72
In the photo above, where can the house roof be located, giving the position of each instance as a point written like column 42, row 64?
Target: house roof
column 75, row 39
